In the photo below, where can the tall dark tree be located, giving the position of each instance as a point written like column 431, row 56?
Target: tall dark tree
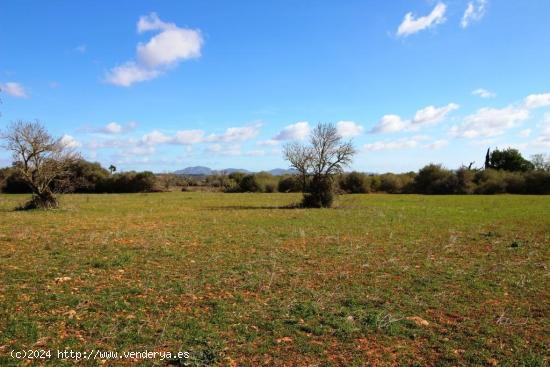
column 488, row 158
column 509, row 160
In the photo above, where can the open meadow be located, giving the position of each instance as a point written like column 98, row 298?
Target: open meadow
column 239, row 280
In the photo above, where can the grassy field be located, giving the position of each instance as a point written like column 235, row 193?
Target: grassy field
column 380, row 280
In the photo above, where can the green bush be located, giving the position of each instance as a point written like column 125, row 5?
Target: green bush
column 354, row 183
column 433, row 179
column 289, row 184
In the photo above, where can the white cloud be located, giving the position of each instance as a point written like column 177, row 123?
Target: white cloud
column 152, row 22
column 129, row 73
column 170, row 47
column 69, row 142
column 297, row 131
column 488, row 122
column 402, row 143
column 268, row 143
column 224, row 150
column 155, row 137
column 432, row 115
column 188, row 137
column 389, row 124
column 438, row 144
column 537, row 100
column 233, row 134
column 348, row 129
column 474, row 12
column 483, row 93
column 545, row 126
column 14, row 89
column 112, row 128
column 427, row 116
column 162, row 52
column 139, row 150
column 525, row 133
column 542, row 142
column 411, row 25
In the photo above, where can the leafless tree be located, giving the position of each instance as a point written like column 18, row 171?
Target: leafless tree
column 326, row 155
column 541, row 162
column 41, row 160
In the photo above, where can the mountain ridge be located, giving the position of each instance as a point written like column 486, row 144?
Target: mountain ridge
column 206, row 171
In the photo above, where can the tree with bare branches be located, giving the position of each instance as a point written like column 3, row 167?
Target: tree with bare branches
column 42, row 161
column 317, row 163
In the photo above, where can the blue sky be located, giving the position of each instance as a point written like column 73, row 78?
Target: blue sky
column 168, row 84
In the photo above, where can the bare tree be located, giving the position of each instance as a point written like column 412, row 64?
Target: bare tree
column 41, row 160
column 541, row 162
column 317, row 163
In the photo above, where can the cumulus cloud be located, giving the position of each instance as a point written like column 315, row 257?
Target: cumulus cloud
column 545, row 126
column 438, row 144
column 432, row 115
column 155, row 137
column 152, row 22
column 483, row 93
column 14, row 89
column 411, row 24
column 188, row 137
column 489, row 122
column 69, row 142
column 163, row 51
column 542, row 141
column 129, row 73
column 224, row 149
column 234, row 134
column 525, row 133
column 537, row 100
column 114, row 128
column 389, row 124
column 297, row 131
column 474, row 12
column 427, row 116
column 268, row 143
column 348, row 129
column 402, row 143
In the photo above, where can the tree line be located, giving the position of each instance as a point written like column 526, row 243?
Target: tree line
column 44, row 166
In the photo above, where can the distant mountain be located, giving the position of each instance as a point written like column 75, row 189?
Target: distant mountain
column 195, row 171
column 205, row 171
column 233, row 170
column 282, row 171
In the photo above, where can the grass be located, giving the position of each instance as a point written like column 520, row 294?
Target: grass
column 380, row 280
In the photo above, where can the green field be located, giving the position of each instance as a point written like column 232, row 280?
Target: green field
column 238, row 280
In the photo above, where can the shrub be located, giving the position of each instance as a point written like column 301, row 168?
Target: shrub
column 434, row 179
column 289, row 184
column 537, row 182
column 249, row 183
column 465, row 181
column 85, row 177
column 355, row 183
column 320, row 194
column 12, row 183
column 490, row 182
column 390, row 183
